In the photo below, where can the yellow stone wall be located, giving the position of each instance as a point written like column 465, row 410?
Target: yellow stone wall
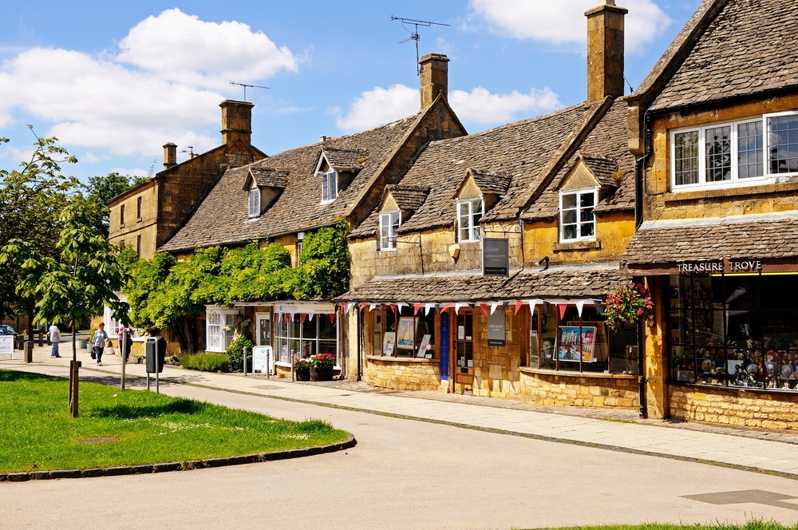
column 403, row 374
column 613, row 233
column 735, row 407
column 662, row 204
column 558, row 390
column 144, row 226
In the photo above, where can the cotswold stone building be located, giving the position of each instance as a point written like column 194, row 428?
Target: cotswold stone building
column 281, row 198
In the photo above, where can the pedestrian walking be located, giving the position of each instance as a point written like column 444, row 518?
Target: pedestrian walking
column 98, row 343
column 55, row 338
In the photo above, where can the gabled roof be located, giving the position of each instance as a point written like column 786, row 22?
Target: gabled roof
column 345, row 160
column 739, row 48
column 266, row 177
column 521, row 151
column 487, row 182
column 609, row 160
column 222, row 217
column 408, row 198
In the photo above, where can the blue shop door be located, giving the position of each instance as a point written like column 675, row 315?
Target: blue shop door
column 445, row 346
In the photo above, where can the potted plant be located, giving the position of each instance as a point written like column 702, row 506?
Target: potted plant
column 321, row 367
column 627, row 305
column 302, row 369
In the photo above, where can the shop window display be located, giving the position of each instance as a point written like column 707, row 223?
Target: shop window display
column 405, row 332
column 734, row 330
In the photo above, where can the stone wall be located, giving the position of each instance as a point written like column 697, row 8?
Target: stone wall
column 561, row 390
column 737, row 408
column 399, row 373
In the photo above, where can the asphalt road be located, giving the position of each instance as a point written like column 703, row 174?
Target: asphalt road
column 404, row 474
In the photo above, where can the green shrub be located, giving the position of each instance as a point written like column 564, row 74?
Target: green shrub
column 235, row 353
column 206, row 362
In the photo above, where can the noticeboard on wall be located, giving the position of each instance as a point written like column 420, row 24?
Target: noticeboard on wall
column 495, row 257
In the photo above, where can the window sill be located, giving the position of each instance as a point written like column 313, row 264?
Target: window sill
column 569, row 246
column 790, row 184
column 391, row 359
column 569, row 373
column 737, row 389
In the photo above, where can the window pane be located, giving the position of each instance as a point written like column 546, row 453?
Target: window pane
column 783, row 144
column 718, row 154
column 586, row 199
column 569, row 216
column 569, row 232
column 685, row 154
column 476, row 216
column 586, row 214
column 569, row 201
column 749, row 149
column 588, row 229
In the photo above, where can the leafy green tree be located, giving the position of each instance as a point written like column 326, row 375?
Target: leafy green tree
column 103, row 188
column 31, row 199
column 324, row 264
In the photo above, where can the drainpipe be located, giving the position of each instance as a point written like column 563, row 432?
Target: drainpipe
column 359, row 343
column 640, row 173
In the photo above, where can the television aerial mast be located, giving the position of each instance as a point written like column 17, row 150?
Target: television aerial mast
column 244, row 86
column 414, row 34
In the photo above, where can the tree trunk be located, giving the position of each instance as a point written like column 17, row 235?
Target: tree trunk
column 188, row 332
column 74, row 378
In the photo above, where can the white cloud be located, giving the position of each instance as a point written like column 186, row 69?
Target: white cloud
column 379, row 106
column 563, row 21
column 130, row 103
column 481, row 106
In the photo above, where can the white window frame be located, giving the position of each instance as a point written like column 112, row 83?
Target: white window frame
column 385, row 224
column 253, row 213
column 282, row 335
column 578, row 208
column 474, row 233
column 213, row 344
column 735, row 181
column 329, row 181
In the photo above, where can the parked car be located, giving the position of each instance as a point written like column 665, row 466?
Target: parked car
column 7, row 330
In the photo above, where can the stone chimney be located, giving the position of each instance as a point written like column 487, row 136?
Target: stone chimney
column 169, row 155
column 605, row 50
column 236, row 123
column 434, row 78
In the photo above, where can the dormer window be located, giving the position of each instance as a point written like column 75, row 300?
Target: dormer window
column 469, row 212
column 389, row 225
column 329, row 185
column 254, row 201
column 577, row 218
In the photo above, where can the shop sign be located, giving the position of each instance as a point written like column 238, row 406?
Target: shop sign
column 725, row 266
column 496, row 329
column 495, row 257
column 6, row 344
column 262, row 359
column 570, row 344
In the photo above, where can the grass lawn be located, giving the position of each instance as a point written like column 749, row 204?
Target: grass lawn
column 132, row 427
column 751, row 525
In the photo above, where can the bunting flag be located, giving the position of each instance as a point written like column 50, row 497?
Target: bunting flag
column 562, row 308
column 349, row 306
column 310, row 316
column 484, row 308
column 532, row 304
column 518, row 305
column 400, row 305
column 287, row 317
column 417, row 308
column 579, row 306
column 331, row 316
column 444, row 307
column 458, row 306
column 493, row 306
column 302, row 317
column 372, row 307
column 427, row 308
column 362, row 306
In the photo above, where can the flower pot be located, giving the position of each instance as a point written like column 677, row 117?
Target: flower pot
column 302, row 374
column 83, row 344
column 321, row 373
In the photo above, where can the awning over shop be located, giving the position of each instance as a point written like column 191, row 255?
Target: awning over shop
column 556, row 283
column 743, row 243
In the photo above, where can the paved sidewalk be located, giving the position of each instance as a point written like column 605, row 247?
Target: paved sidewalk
column 774, row 457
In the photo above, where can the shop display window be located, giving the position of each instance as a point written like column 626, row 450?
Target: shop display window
column 403, row 334
column 299, row 336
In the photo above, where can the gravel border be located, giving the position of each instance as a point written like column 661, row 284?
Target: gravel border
column 177, row 466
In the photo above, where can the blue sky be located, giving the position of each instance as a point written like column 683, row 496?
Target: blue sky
column 116, row 80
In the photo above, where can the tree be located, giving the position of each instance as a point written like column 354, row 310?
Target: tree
column 103, row 188
column 81, row 279
column 31, row 198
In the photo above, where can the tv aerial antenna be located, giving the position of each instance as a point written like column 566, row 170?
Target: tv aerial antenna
column 414, row 33
column 245, row 86
column 189, row 150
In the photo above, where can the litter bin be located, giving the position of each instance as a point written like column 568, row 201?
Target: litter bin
column 156, row 354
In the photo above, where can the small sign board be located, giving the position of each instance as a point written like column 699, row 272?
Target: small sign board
column 404, row 340
column 262, row 359
column 424, row 346
column 496, row 328
column 495, row 257
column 6, row 344
column 725, row 266
column 388, row 343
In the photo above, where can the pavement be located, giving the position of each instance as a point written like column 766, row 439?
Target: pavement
column 422, row 463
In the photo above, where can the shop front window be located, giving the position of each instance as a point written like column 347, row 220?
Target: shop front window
column 220, row 328
column 300, row 336
column 577, row 343
column 734, row 330
column 465, row 341
column 403, row 334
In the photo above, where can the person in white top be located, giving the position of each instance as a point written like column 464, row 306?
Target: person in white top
column 55, row 338
column 98, row 343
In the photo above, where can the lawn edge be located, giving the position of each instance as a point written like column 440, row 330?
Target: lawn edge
column 186, row 465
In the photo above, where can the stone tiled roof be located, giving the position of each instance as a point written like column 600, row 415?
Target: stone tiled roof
column 520, row 151
column 347, row 160
column 491, row 182
column 269, row 177
column 588, row 281
column 606, row 153
column 745, row 236
column 222, row 216
column 746, row 48
column 408, row 198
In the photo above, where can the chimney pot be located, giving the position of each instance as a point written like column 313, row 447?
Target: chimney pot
column 236, row 123
column 323, row 138
column 605, row 51
column 169, row 155
column 434, row 78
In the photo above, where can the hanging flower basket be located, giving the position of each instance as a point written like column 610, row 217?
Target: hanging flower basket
column 628, row 304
